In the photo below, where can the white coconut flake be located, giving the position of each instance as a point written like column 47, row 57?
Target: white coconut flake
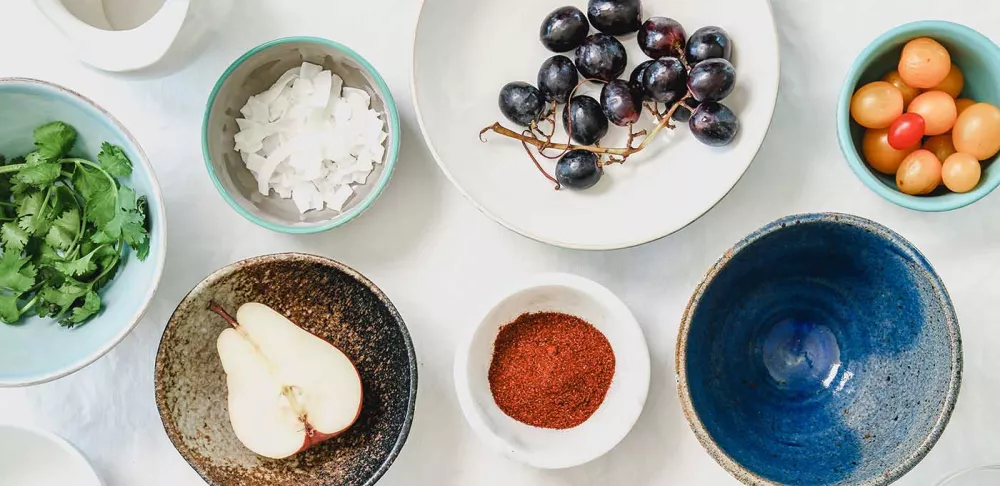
column 310, row 139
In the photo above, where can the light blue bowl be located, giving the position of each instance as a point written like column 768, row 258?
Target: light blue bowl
column 979, row 59
column 40, row 350
column 255, row 72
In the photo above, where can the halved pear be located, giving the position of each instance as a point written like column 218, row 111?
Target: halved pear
column 288, row 388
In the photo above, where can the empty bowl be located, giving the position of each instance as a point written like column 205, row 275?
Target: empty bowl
column 38, row 349
column 551, row 448
column 324, row 297
column 32, row 457
column 253, row 73
column 978, row 58
column 821, row 349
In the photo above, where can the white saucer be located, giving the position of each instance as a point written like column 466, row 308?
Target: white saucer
column 546, row 448
column 31, row 457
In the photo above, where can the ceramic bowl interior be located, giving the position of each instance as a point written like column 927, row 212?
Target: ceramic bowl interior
column 39, row 350
column 548, row 448
column 822, row 349
column 255, row 72
column 977, row 57
column 35, row 457
column 323, row 297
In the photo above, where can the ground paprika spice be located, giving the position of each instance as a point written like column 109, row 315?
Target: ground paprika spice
column 550, row 370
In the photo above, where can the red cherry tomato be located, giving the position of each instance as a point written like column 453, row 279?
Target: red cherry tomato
column 907, row 131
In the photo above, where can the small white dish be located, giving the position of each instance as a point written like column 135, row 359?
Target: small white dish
column 547, row 448
column 459, row 68
column 31, row 457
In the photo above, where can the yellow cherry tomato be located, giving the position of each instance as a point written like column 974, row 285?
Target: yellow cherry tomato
column 953, row 83
column 940, row 146
column 961, row 172
column 924, row 63
column 938, row 110
column 962, row 103
column 877, row 105
column 977, row 131
column 920, row 173
column 908, row 91
column 879, row 154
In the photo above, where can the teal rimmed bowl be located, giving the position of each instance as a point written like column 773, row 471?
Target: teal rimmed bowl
column 38, row 350
column 253, row 73
column 979, row 59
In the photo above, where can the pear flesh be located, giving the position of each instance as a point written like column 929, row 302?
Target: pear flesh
column 288, row 388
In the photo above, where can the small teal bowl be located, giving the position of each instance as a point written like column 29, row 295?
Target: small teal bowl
column 40, row 350
column 979, row 59
column 822, row 349
column 253, row 73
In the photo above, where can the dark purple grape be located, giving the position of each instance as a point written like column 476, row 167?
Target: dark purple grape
column 557, row 78
column 589, row 123
column 683, row 112
column 622, row 102
column 521, row 103
column 664, row 81
column 579, row 169
column 709, row 43
column 660, row 37
column 601, row 56
column 636, row 76
column 712, row 80
column 714, row 124
column 615, row 17
column 564, row 29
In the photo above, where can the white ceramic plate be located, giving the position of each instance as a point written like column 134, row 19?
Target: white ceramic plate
column 31, row 457
column 465, row 51
column 545, row 448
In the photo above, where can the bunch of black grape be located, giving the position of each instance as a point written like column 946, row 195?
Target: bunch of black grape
column 685, row 81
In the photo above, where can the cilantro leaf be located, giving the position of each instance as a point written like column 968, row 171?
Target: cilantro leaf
column 9, row 312
column 54, row 139
column 99, row 195
column 91, row 305
column 16, row 274
column 64, row 230
column 38, row 171
column 14, row 238
column 78, row 267
column 57, row 300
column 113, row 159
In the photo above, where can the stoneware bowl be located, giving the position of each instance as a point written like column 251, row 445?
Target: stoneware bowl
column 31, row 457
column 978, row 58
column 821, row 349
column 325, row 298
column 548, row 448
column 39, row 350
column 253, row 73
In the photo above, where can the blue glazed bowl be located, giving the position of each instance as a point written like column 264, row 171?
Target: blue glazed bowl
column 39, row 350
column 979, row 59
column 822, row 349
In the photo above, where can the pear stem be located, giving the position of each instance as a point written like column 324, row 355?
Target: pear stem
column 216, row 308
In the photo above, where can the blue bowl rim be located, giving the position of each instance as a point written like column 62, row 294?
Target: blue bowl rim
column 907, row 249
column 846, row 141
column 390, row 162
column 160, row 234
column 214, row 277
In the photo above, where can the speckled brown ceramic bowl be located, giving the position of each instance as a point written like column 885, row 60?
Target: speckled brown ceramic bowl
column 326, row 298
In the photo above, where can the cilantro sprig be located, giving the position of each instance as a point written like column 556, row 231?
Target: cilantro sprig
column 66, row 227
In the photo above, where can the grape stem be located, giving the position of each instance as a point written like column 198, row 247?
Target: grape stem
column 623, row 153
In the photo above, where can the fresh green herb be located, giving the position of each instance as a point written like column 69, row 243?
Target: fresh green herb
column 67, row 225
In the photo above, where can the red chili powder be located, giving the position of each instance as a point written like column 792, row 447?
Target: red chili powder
column 550, row 370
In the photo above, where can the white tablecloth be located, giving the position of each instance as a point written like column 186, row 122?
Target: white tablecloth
column 436, row 256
